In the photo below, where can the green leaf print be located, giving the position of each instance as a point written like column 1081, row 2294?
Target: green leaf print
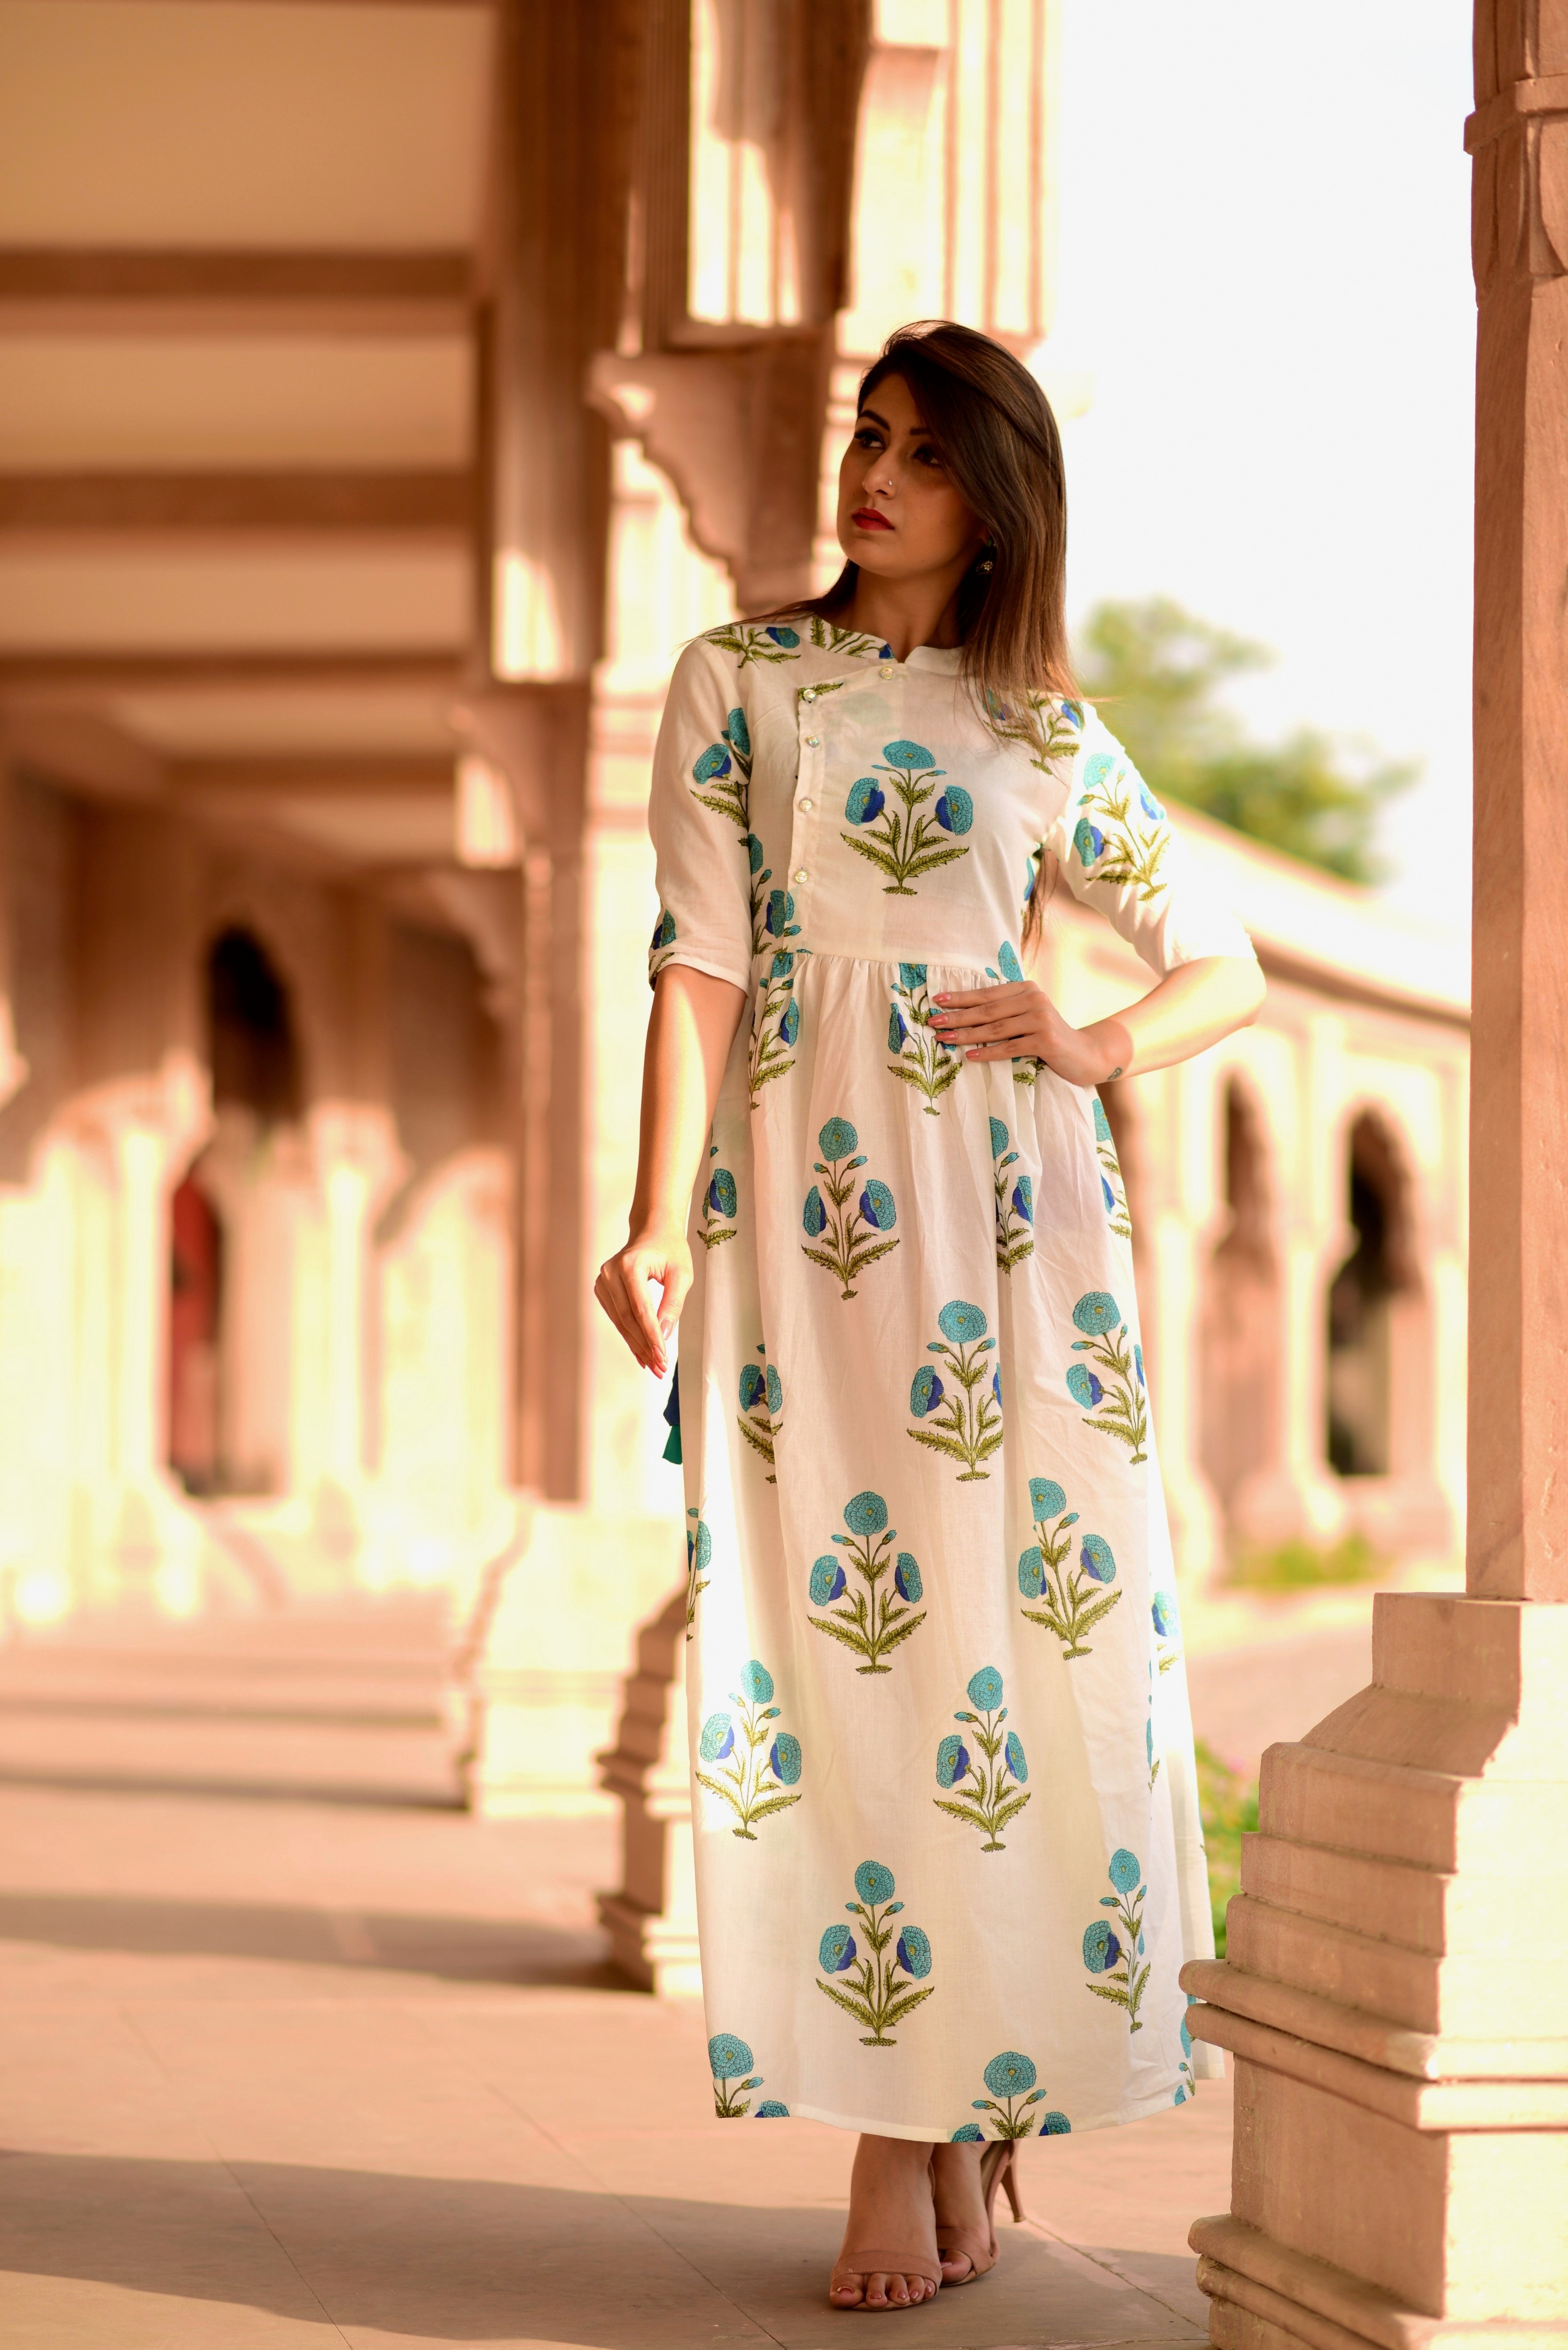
column 1071, row 1601
column 1011, row 2079
column 985, row 1787
column 905, row 847
column 1119, row 845
column 1116, row 1405
column 1112, row 1957
column 871, row 1622
column 1014, row 1203
column 864, row 1983
column 722, row 777
column 1047, row 730
column 963, row 1419
column 698, row 1557
column 774, row 643
column 926, row 1060
column 843, row 1227
column 775, row 1025
column 761, row 1415
column 1113, row 1189
column 752, row 1782
column 829, row 637
column 721, row 1201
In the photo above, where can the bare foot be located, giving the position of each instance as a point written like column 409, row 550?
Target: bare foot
column 890, row 2212
column 961, row 2210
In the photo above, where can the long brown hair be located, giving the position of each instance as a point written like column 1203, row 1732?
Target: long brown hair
column 1001, row 448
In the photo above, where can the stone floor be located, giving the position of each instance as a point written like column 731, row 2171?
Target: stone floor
column 296, row 2052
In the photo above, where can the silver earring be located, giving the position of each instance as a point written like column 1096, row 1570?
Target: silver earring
column 987, row 558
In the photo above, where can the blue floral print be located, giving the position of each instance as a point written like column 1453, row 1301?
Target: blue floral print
column 698, row 1557
column 728, row 2060
column 1014, row 1203
column 1012, row 2080
column 1113, row 1191
column 1126, row 846
column 752, row 1752
column 987, row 1787
column 1071, row 1600
column 721, row 1202
column 761, row 1409
column 1114, row 1405
column 848, row 1249
column 964, row 1422
column 926, row 1060
column 1115, row 1959
column 909, row 844
column 873, row 1622
column 867, row 1984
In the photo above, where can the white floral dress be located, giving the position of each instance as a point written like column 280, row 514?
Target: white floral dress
column 949, row 1858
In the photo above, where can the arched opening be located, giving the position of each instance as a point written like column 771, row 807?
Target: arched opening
column 1371, row 1302
column 1240, row 1327
column 230, row 1261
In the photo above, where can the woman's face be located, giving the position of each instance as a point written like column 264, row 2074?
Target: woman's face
column 900, row 513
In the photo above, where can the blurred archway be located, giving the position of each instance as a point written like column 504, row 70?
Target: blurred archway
column 1240, row 1331
column 1376, row 1317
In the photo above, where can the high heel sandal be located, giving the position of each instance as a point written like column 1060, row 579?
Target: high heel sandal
column 998, row 2167
column 873, row 2260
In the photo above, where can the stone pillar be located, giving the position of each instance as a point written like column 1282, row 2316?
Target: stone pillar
column 1397, row 1979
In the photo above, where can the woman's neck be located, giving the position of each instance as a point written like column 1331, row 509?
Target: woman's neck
column 905, row 613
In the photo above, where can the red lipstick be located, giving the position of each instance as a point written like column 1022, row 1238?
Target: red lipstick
column 867, row 518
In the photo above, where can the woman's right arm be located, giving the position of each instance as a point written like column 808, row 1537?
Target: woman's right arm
column 692, row 1026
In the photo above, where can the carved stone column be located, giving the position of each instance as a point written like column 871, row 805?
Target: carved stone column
column 1396, row 1990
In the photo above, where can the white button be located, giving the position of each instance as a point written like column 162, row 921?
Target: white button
column 799, row 873
column 804, row 803
column 889, row 670
column 810, row 694
column 812, row 741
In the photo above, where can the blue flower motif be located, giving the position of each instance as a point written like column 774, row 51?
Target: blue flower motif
column 876, row 1206
column 752, row 1387
column 985, row 1687
column 757, row 1683
column 773, row 1388
column 1096, row 1312
column 926, row 1391
column 1186, row 2039
column 967, row 2133
column 914, row 1953
column 755, row 852
column 955, row 809
column 897, row 1032
column 789, row 1026
column 1081, row 1384
column 996, row 1386
column 1101, row 1947
column 911, row 975
column 907, row 1576
column 663, row 930
column 1073, row 712
column 780, row 913
column 826, row 1581
column 952, row 1760
column 1101, row 1123
column 782, row 965
column 737, row 732
column 1031, row 1571
column 1046, row 1499
column 1138, row 1364
column 873, row 1882
column 1010, row 2075
column 836, row 1952
column 1053, row 2125
column 1164, row 1613
column 866, row 1513
column 1096, row 1560
column 866, row 800
column 714, row 762
column 728, row 2057
column 770, row 2110
column 1023, row 1199
column 959, row 1322
column 717, row 1741
column 781, row 635
column 722, row 1192
column 1089, row 841
column 1150, row 805
column 999, row 1137
column 1096, row 767
column 1110, row 1197
column 837, row 1138
column 814, row 1216
column 1015, row 1761
column 1008, row 961
column 902, row 754
column 1125, row 1871
column 784, row 1754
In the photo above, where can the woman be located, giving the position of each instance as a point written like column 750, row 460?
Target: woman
column 948, row 1849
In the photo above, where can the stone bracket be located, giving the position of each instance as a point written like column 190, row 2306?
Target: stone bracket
column 1445, row 2105
column 1324, row 2306
column 1371, row 2039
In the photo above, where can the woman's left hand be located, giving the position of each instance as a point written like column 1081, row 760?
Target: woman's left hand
column 1018, row 1020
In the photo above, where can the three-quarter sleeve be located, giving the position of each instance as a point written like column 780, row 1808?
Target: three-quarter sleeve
column 700, row 820
column 1120, row 854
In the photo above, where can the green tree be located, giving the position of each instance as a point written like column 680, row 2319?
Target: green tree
column 1158, row 673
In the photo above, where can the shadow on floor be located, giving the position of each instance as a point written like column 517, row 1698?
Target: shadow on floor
column 455, row 1949
column 465, row 2260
